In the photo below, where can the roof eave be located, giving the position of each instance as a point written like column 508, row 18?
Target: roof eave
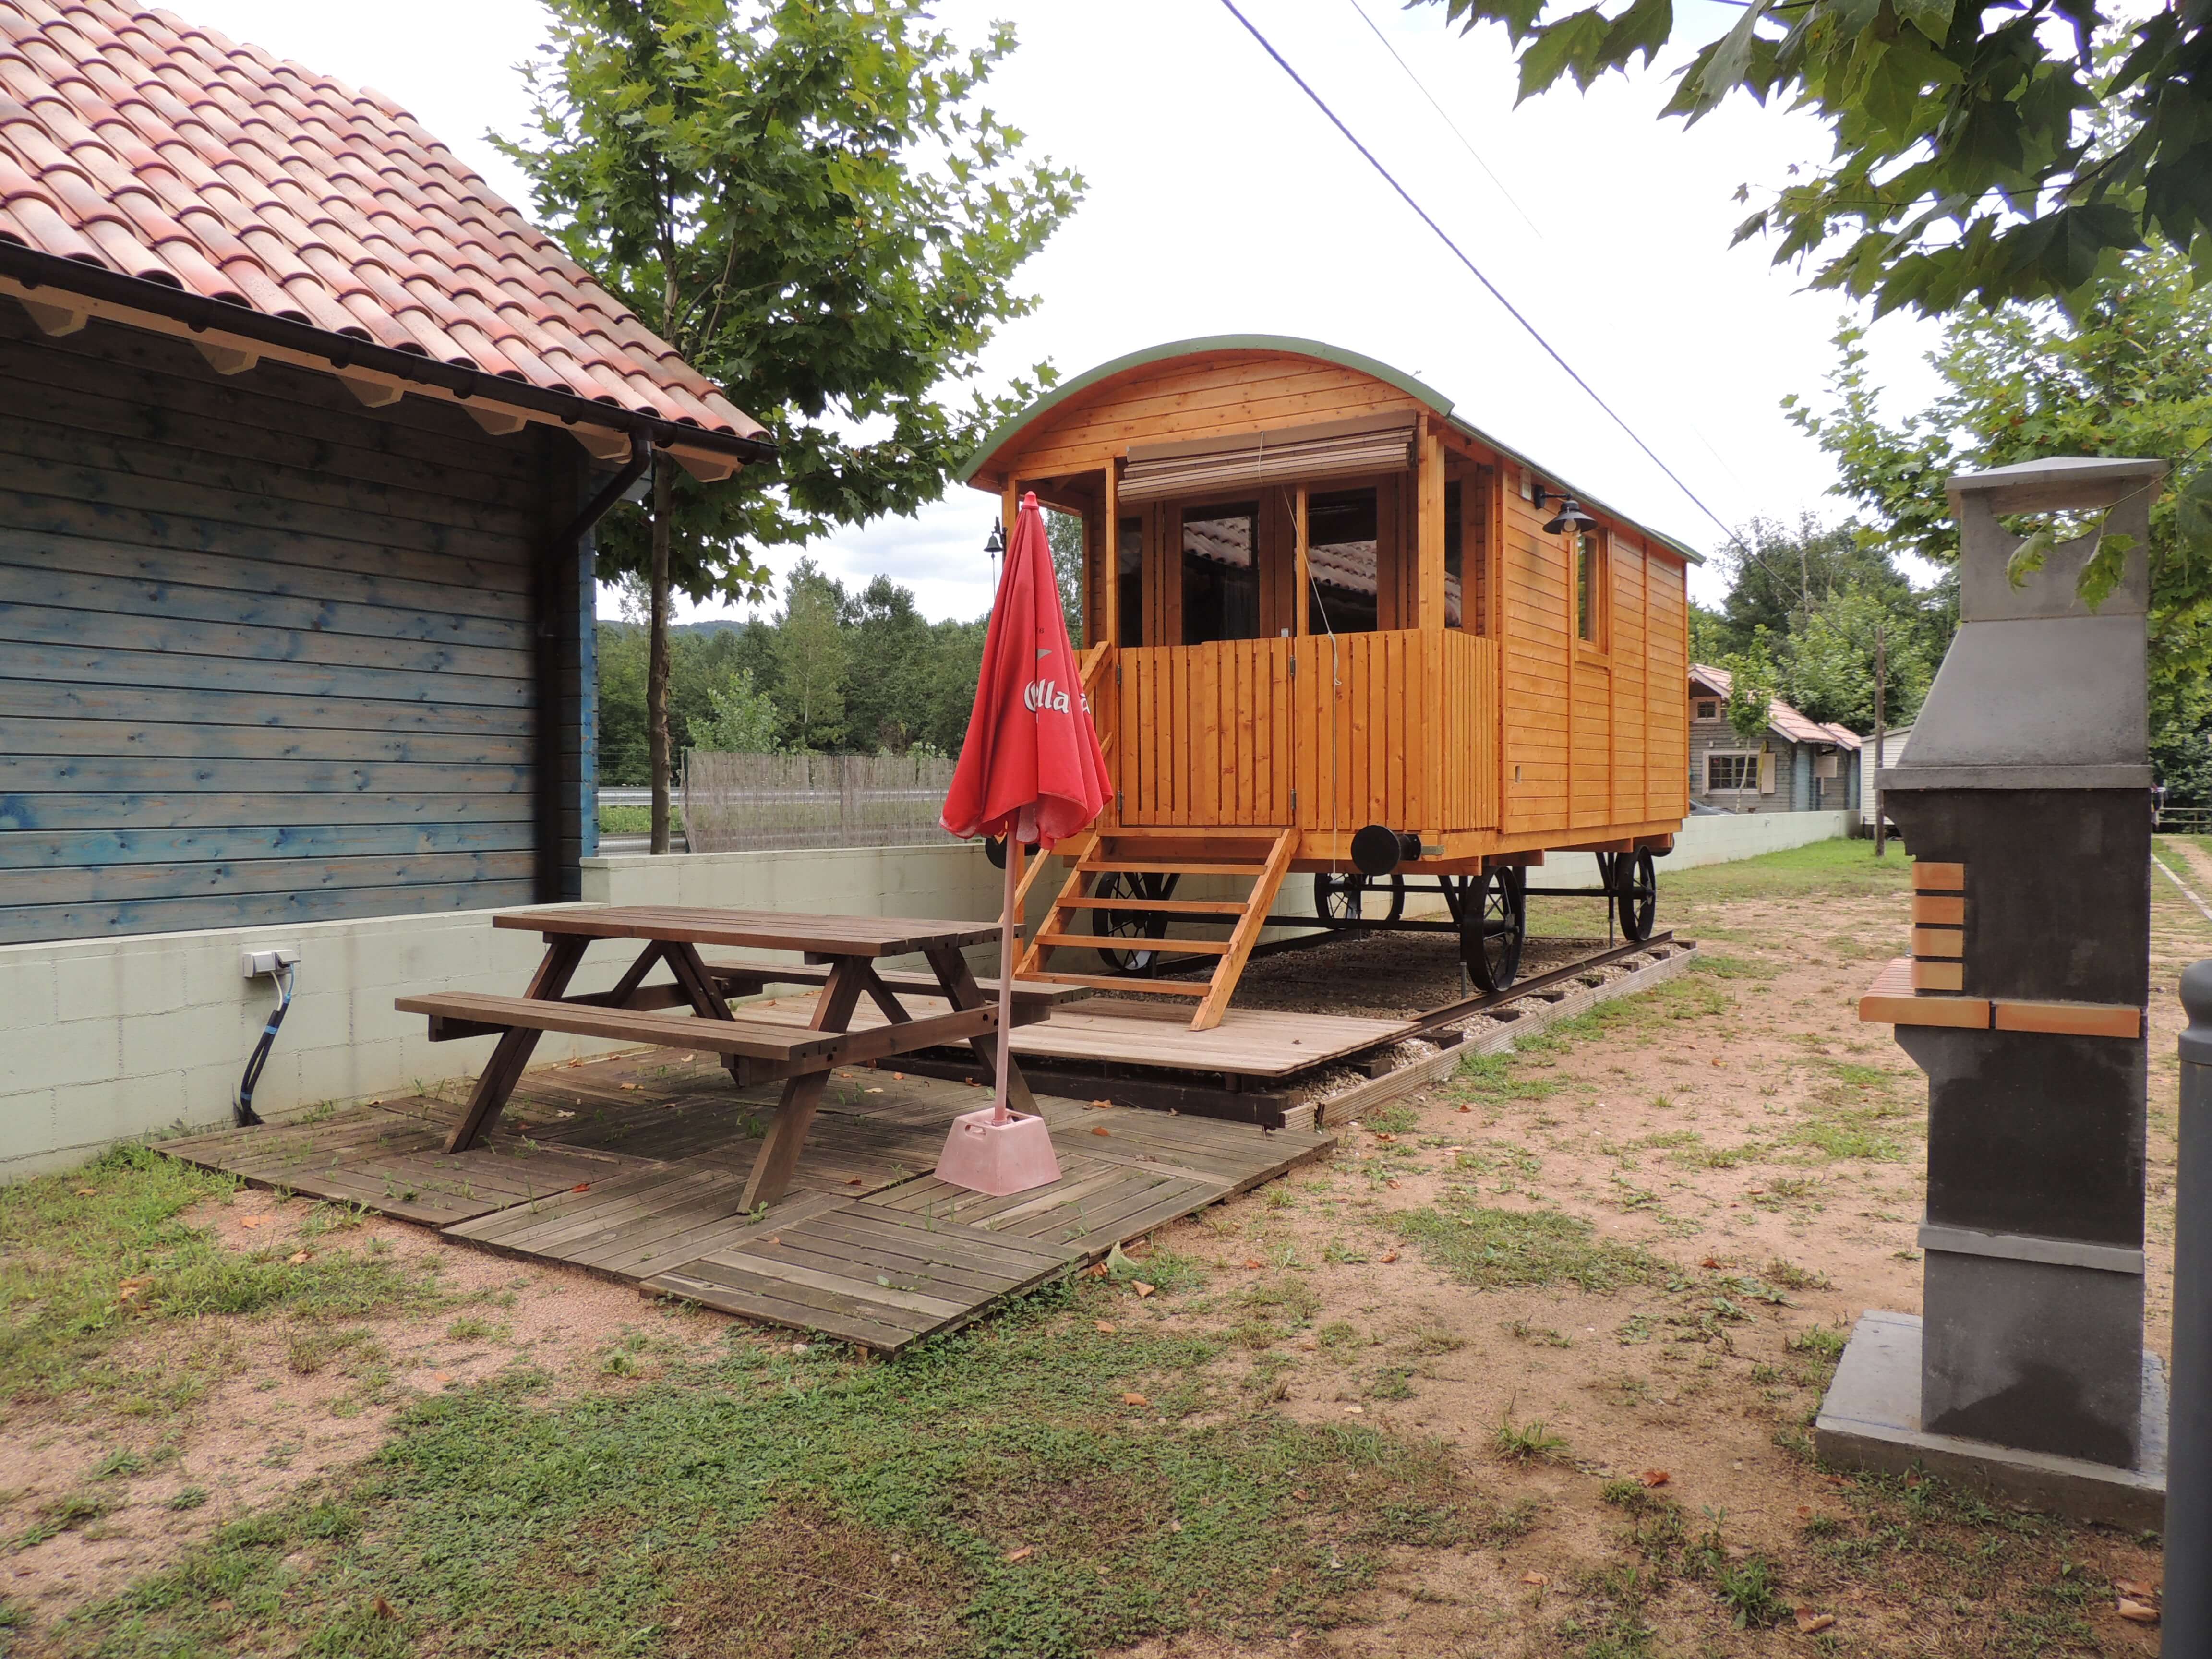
column 36, row 270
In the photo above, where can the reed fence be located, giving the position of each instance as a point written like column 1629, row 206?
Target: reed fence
column 752, row 803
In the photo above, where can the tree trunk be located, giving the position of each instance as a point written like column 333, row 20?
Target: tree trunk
column 656, row 673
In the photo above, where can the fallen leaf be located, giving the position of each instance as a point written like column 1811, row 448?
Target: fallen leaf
column 297, row 1257
column 872, row 1091
column 1355, row 1411
column 1253, row 1261
column 854, row 1180
column 2136, row 1611
column 1718, row 1061
column 898, row 1077
column 2137, row 1589
column 1379, row 1135
column 631, row 1086
column 1534, row 1578
column 87, row 1191
column 1134, row 1400
column 252, row 1220
column 1653, row 1478
column 130, row 1287
column 1709, row 1261
column 1101, row 1106
column 1467, row 1108
column 1101, row 1130
column 1809, row 1622
column 1758, row 1192
column 385, row 1609
column 1022, row 1554
column 1298, row 1492
column 442, row 1376
column 1389, row 1255
column 1912, row 1480
column 1097, row 1272
column 1104, row 1325
column 1142, row 1289
column 581, row 1186
column 1804, row 1511
column 773, row 1238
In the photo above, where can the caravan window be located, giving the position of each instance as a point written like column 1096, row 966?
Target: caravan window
column 1340, row 541
column 1220, row 573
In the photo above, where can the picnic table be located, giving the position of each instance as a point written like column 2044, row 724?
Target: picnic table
column 841, row 955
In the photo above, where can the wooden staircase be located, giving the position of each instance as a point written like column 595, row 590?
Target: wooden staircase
column 1263, row 858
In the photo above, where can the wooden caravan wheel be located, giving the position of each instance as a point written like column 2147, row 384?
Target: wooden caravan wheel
column 1493, row 917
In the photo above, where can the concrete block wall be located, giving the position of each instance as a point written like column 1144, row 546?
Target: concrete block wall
column 101, row 1040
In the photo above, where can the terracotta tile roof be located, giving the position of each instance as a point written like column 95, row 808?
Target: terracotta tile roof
column 1779, row 715
column 133, row 142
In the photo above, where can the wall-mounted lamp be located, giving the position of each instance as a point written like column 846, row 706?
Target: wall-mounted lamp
column 1569, row 516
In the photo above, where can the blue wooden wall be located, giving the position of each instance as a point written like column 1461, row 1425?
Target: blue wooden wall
column 265, row 655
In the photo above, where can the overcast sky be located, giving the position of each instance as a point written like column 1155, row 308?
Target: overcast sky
column 1220, row 201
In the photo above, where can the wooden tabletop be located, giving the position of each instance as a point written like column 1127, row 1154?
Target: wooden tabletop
column 754, row 930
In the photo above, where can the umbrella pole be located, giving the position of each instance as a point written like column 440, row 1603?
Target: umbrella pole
column 1006, row 935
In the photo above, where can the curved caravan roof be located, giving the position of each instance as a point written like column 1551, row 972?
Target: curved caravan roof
column 1075, row 412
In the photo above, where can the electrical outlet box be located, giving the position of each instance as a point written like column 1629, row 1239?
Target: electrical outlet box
column 259, row 965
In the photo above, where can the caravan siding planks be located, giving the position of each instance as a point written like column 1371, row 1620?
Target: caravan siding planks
column 265, row 655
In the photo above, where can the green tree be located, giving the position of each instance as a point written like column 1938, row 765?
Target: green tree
column 741, row 720
column 1990, row 151
column 1751, row 691
column 1064, row 532
column 805, row 199
column 811, row 656
column 2126, row 375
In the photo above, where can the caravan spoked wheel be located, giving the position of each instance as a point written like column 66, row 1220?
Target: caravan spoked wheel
column 1132, row 925
column 1354, row 898
column 1635, row 893
column 1494, row 918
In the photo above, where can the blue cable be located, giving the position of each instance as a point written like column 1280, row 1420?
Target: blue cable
column 243, row 1112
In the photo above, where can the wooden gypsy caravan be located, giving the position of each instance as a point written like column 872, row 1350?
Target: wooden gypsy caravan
column 1331, row 628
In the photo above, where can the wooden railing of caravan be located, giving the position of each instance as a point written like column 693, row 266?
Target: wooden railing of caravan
column 1397, row 727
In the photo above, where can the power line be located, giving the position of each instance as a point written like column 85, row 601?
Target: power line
column 1422, row 213
column 1422, row 88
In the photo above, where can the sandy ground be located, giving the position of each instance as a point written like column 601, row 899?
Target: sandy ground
column 1740, row 1124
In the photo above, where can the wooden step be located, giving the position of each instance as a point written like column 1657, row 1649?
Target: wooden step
column 1134, row 987
column 1097, row 865
column 1218, row 947
column 1166, row 907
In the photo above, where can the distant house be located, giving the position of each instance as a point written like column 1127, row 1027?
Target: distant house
column 299, row 423
column 1798, row 765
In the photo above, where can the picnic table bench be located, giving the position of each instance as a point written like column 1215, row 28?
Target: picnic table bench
column 842, row 952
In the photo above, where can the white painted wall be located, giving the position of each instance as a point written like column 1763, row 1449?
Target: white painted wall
column 104, row 1039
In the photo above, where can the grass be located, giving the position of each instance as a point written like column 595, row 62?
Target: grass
column 1496, row 1249
column 101, row 1254
column 637, row 820
column 1840, row 867
column 990, row 1494
column 1526, row 1442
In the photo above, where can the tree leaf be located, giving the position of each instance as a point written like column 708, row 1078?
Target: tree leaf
column 2027, row 558
column 2105, row 568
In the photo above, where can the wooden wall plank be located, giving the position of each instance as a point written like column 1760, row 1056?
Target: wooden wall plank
column 266, row 655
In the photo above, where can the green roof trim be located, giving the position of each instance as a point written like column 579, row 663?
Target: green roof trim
column 1293, row 346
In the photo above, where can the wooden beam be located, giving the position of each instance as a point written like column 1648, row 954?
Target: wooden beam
column 375, row 393
column 1110, row 626
column 602, row 443
column 226, row 359
column 499, row 421
column 56, row 319
column 707, row 465
column 1429, row 529
column 1302, row 620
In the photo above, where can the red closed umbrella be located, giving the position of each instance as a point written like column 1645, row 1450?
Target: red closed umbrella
column 1030, row 768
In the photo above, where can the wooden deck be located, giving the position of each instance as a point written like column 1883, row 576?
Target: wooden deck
column 633, row 1167
column 1255, row 1042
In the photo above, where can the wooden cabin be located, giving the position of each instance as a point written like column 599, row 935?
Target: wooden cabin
column 1331, row 628
column 301, row 432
